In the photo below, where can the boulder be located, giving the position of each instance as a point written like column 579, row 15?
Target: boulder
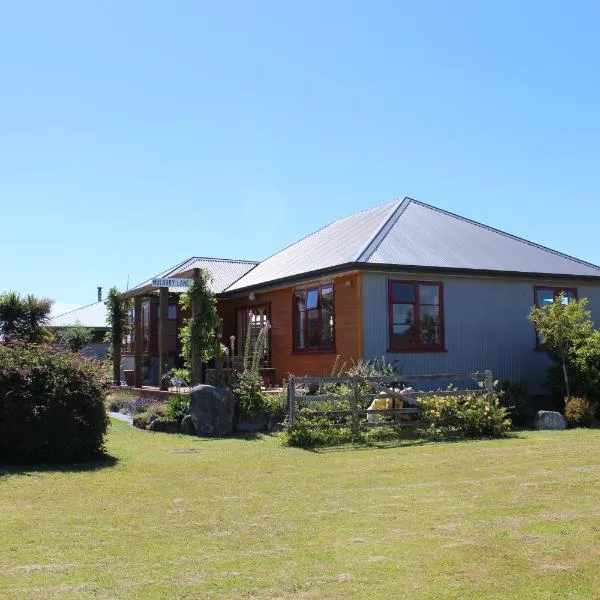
column 164, row 425
column 549, row 419
column 187, row 426
column 211, row 410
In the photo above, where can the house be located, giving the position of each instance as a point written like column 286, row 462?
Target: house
column 223, row 271
column 430, row 291
column 92, row 317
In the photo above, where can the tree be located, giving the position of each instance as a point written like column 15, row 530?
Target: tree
column 117, row 317
column 76, row 337
column 562, row 325
column 24, row 318
column 197, row 334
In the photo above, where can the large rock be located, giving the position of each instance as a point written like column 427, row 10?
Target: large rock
column 187, row 426
column 211, row 409
column 549, row 419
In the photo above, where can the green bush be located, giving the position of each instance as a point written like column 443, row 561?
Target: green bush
column 579, row 413
column 248, row 396
column 52, row 405
column 518, row 401
column 467, row 415
column 309, row 433
column 275, row 405
column 177, row 407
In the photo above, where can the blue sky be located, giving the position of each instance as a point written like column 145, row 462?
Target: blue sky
column 136, row 134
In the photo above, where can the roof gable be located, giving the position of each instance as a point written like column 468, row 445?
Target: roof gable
column 223, row 271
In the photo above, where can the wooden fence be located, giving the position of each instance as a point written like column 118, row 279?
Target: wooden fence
column 307, row 392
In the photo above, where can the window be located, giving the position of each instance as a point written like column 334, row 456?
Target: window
column 546, row 295
column 313, row 319
column 172, row 315
column 416, row 315
column 251, row 320
column 543, row 296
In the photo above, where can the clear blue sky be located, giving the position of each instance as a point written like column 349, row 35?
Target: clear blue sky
column 137, row 134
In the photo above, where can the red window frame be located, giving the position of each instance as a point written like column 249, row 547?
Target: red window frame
column 417, row 347
column 295, row 341
column 556, row 291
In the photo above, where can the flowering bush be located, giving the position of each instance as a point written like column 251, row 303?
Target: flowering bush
column 468, row 415
column 579, row 413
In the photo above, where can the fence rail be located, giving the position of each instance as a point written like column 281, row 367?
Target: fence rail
column 385, row 386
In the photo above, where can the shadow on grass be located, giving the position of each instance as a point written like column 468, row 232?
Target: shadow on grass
column 104, row 462
column 406, row 443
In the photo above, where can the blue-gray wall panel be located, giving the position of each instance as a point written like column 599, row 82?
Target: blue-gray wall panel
column 486, row 327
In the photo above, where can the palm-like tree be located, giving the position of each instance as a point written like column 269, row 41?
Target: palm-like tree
column 23, row 317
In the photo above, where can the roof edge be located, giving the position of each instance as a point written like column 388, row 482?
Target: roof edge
column 363, row 266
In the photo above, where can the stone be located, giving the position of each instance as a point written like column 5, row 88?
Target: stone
column 211, row 410
column 549, row 419
column 164, row 425
column 187, row 426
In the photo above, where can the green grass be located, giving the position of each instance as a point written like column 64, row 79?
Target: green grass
column 180, row 517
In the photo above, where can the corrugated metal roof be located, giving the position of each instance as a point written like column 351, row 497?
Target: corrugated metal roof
column 92, row 315
column 224, row 272
column 412, row 234
column 338, row 243
column 423, row 235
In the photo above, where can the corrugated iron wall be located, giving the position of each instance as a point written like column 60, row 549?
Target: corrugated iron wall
column 485, row 323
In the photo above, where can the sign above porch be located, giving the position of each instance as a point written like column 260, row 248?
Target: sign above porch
column 160, row 282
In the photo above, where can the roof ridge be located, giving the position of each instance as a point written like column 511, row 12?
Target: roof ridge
column 377, row 238
column 235, row 260
column 504, row 233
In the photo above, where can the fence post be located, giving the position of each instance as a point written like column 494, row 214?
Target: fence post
column 354, row 405
column 291, row 392
column 489, row 386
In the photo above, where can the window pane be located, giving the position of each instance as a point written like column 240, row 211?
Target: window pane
column 429, row 325
column 172, row 312
column 403, row 292
column 327, row 332
column 568, row 295
column 403, row 335
column 326, row 297
column 312, row 299
column 403, row 314
column 544, row 297
column 429, row 294
column 313, row 328
column 300, row 329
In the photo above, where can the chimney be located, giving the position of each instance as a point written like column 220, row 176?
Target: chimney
column 99, row 294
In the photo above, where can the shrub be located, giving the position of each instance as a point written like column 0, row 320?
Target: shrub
column 141, row 404
column 275, row 405
column 467, row 415
column 517, row 399
column 51, row 405
column 579, row 413
column 309, row 433
column 177, row 407
column 248, row 395
column 387, row 433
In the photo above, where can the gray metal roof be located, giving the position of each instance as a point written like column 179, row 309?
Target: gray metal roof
column 224, row 272
column 92, row 315
column 412, row 234
column 338, row 243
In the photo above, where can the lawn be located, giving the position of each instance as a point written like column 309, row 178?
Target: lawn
column 181, row 517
